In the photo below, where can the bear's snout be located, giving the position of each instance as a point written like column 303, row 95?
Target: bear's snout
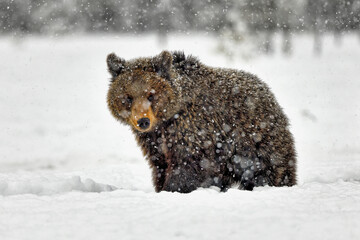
column 142, row 116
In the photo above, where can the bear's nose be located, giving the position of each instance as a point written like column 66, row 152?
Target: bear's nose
column 143, row 123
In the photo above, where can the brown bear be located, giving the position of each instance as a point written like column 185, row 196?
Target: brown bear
column 200, row 126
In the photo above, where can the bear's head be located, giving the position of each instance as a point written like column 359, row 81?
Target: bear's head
column 142, row 92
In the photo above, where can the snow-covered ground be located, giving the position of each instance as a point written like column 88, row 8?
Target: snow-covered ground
column 68, row 170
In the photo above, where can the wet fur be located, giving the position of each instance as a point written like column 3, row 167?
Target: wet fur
column 219, row 127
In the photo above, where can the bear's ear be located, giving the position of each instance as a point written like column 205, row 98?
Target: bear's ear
column 115, row 64
column 162, row 64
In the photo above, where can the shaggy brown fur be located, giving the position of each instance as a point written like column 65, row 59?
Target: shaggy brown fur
column 200, row 126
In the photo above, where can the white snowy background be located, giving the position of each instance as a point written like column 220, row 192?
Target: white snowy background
column 68, row 170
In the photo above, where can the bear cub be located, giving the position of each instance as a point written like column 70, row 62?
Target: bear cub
column 200, row 126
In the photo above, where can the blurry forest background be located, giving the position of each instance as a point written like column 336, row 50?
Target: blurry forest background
column 231, row 20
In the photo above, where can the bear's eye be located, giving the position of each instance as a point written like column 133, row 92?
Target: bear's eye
column 151, row 98
column 129, row 99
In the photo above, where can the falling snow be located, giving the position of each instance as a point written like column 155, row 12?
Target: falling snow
column 69, row 171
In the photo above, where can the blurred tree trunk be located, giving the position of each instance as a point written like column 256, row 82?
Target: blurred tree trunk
column 268, row 45
column 163, row 21
column 287, row 43
column 313, row 10
column 317, row 43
